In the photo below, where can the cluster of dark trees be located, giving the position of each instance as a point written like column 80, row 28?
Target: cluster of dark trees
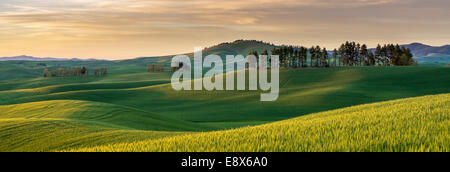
column 349, row 54
column 61, row 72
column 297, row 56
column 155, row 67
column 395, row 55
column 72, row 72
column 292, row 56
column 352, row 54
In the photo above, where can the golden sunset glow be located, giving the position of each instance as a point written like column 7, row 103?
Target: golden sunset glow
column 119, row 29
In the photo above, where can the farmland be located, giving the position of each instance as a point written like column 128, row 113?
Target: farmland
column 129, row 106
column 224, row 76
column 407, row 125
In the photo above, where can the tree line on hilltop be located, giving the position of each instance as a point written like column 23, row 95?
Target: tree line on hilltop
column 348, row 54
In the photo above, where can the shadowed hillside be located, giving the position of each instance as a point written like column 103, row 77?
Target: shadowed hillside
column 302, row 91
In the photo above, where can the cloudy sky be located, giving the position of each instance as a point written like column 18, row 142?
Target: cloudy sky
column 118, row 29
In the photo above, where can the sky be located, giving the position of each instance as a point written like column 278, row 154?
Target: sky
column 123, row 29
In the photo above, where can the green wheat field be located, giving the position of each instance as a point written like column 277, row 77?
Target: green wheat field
column 369, row 109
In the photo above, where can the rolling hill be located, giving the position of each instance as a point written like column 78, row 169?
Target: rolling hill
column 434, row 60
column 32, row 67
column 407, row 125
column 302, row 92
column 49, row 125
column 237, row 47
column 47, row 114
column 95, row 112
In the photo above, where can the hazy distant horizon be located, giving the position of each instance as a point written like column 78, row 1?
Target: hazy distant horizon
column 123, row 29
column 164, row 55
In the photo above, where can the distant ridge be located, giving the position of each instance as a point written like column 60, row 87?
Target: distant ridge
column 244, row 47
column 238, row 47
column 422, row 50
column 31, row 58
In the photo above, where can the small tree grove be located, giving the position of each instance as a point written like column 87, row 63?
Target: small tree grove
column 79, row 71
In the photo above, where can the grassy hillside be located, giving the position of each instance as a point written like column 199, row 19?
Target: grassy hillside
column 94, row 112
column 302, row 92
column 414, row 124
column 49, row 125
column 34, row 69
column 24, row 135
column 132, row 110
column 17, row 71
column 434, row 60
column 46, row 114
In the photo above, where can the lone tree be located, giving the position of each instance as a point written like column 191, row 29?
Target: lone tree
column 324, row 58
column 45, row 73
column 83, row 70
column 364, row 53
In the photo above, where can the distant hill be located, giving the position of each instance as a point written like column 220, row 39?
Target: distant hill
column 422, row 50
column 425, row 54
column 430, row 55
column 31, row 58
column 243, row 47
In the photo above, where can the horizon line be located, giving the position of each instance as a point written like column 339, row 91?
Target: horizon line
column 174, row 54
